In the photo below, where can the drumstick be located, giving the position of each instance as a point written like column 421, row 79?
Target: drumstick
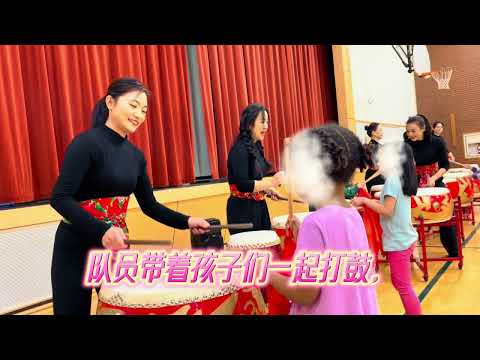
column 148, row 242
column 457, row 163
column 286, row 151
column 279, row 197
column 373, row 176
column 370, row 178
column 243, row 226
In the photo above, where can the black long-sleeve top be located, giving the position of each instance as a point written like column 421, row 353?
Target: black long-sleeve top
column 444, row 142
column 101, row 163
column 430, row 151
column 244, row 168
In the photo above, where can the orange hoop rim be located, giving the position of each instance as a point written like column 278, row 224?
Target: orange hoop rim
column 426, row 75
column 430, row 73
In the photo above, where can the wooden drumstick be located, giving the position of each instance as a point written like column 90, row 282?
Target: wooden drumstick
column 377, row 174
column 279, row 197
column 242, row 226
column 148, row 242
column 373, row 176
column 286, row 150
column 457, row 163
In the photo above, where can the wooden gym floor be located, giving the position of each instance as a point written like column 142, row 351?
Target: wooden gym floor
column 449, row 291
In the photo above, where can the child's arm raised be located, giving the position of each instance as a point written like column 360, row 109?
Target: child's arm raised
column 310, row 238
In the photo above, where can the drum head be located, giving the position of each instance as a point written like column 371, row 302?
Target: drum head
column 280, row 222
column 457, row 175
column 142, row 295
column 253, row 240
column 457, row 171
column 432, row 191
column 449, row 179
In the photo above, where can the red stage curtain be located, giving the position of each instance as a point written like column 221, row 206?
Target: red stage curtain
column 294, row 82
column 49, row 93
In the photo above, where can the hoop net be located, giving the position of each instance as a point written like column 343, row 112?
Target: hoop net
column 442, row 77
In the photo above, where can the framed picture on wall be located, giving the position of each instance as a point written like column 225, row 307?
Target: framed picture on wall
column 472, row 145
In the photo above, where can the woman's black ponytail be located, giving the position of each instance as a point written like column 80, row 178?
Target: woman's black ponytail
column 100, row 113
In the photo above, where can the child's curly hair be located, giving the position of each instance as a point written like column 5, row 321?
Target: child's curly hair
column 344, row 149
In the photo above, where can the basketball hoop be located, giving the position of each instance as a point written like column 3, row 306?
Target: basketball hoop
column 416, row 59
column 442, row 77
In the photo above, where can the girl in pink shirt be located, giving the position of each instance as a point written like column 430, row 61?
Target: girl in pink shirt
column 335, row 227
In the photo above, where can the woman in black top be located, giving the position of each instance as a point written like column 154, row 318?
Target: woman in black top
column 431, row 164
column 100, row 170
column 247, row 167
column 438, row 127
column 375, row 132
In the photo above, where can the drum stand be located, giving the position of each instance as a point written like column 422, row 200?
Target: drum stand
column 476, row 201
column 422, row 263
column 459, row 209
column 476, row 195
column 278, row 304
column 468, row 212
column 456, row 221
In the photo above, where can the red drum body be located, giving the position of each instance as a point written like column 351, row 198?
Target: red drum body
column 277, row 303
column 433, row 204
column 174, row 300
column 279, row 224
column 465, row 183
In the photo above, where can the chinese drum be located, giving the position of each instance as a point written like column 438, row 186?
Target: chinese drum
column 465, row 184
column 168, row 299
column 279, row 224
column 261, row 240
column 476, row 188
column 472, row 175
column 454, row 187
column 458, row 170
column 277, row 303
column 250, row 240
column 433, row 204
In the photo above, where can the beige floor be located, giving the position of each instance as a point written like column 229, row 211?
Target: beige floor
column 456, row 291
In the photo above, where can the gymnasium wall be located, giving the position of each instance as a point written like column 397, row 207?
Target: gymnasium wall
column 372, row 85
column 382, row 90
column 461, row 102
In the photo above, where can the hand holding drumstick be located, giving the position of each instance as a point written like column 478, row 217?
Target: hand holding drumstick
column 293, row 223
column 273, row 194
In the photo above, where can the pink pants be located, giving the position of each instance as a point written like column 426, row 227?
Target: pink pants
column 402, row 279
